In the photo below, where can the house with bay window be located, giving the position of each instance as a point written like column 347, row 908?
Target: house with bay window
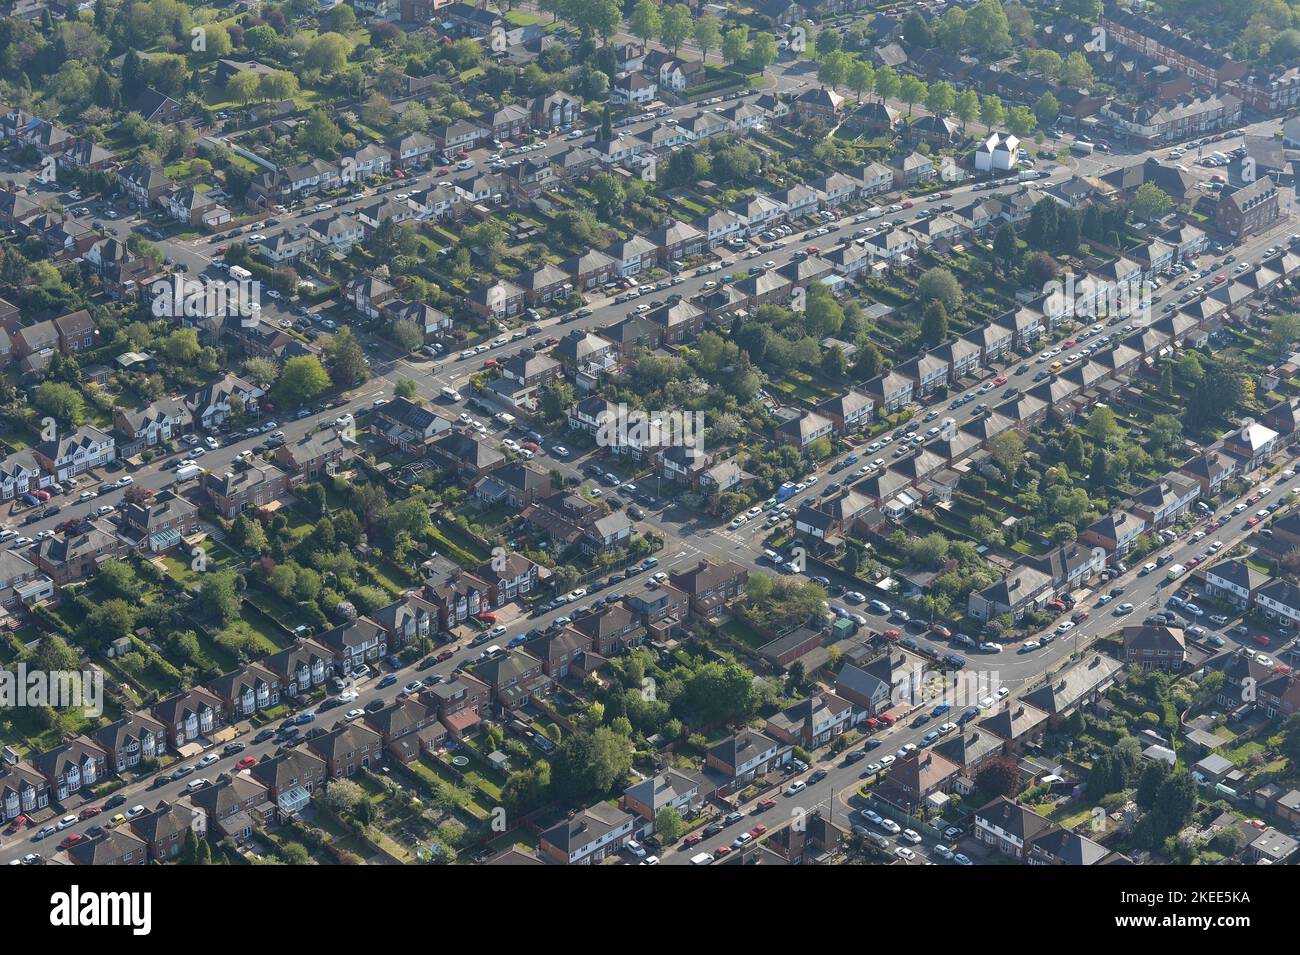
column 190, row 715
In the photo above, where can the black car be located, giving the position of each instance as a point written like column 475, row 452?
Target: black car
column 817, row 776
column 856, row 756
column 263, row 736
column 374, row 705
column 712, row 829
column 329, row 704
column 162, row 780
column 94, row 831
column 230, row 749
column 114, row 802
column 426, row 663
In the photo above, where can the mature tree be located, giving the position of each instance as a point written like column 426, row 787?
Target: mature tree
column 861, row 77
column 708, row 34
column 61, row 402
column 676, row 26
column 762, row 51
column 328, row 53
column 991, row 111
column 219, row 595
column 346, row 360
column 1283, row 332
column 940, row 98
column 939, row 284
column 319, row 134
column 1004, row 245
column 999, row 777
column 887, row 83
column 966, row 106
column 911, row 90
column 1150, row 202
column 243, row 87
column 987, row 28
column 1047, row 109
column 833, row 68
column 735, row 44
column 1008, row 451
column 645, row 21
column 302, row 379
column 669, row 826
column 934, row 324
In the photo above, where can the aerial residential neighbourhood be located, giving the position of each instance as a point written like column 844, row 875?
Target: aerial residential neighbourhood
column 583, row 432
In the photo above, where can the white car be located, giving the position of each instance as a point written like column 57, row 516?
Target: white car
column 890, row 826
column 886, row 760
column 987, row 703
column 1003, row 693
column 560, row 451
column 796, row 787
column 209, row 759
column 1030, row 645
column 347, row 696
column 906, row 854
column 943, row 852
column 577, row 594
column 912, row 836
column 635, row 848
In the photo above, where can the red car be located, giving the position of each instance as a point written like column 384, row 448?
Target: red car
column 445, row 656
column 490, row 363
column 695, row 838
column 1218, row 279
column 1000, row 380
column 888, row 719
column 90, row 811
column 1068, row 343
column 758, row 830
column 1260, row 640
column 907, row 205
column 71, row 840
column 1252, row 521
column 872, row 722
column 765, row 804
column 812, row 250
column 721, row 851
column 247, row 762
column 939, row 630
column 945, row 195
column 487, row 617
column 17, row 823
column 892, row 636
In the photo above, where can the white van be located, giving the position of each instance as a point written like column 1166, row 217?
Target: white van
column 451, row 394
column 506, row 419
column 702, row 859
column 1176, row 571
column 240, row 273
column 187, row 472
